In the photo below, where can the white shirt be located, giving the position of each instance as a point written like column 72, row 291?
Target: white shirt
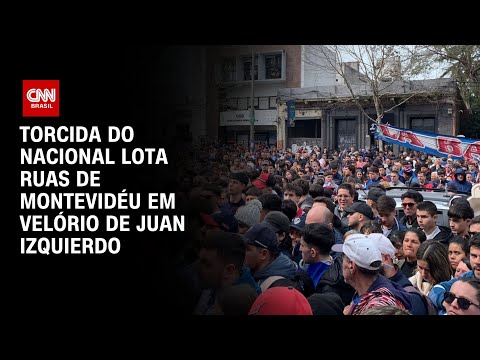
column 433, row 234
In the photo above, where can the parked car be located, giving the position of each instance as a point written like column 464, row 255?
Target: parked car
column 440, row 198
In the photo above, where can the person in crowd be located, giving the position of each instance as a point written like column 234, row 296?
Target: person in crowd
column 270, row 202
column 281, row 300
column 457, row 250
column 463, row 267
column 263, row 256
column 248, row 215
column 463, row 297
column 315, row 245
column 411, row 242
column 280, row 224
column 459, row 182
column 438, row 291
column 306, row 200
column 220, row 266
column 252, row 193
column 410, row 200
column 395, row 180
column 460, row 214
column 372, row 198
column 345, row 197
column 433, row 266
column 361, row 265
column 358, row 214
column 427, row 221
column 386, row 211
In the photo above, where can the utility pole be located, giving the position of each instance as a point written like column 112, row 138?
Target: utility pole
column 252, row 108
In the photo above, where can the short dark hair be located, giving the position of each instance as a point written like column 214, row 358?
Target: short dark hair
column 253, row 191
column 271, row 202
column 475, row 220
column 319, row 235
column 421, row 235
column 327, row 201
column 294, row 188
column 304, row 184
column 427, row 206
column 386, row 204
column 316, row 190
column 413, row 194
column 289, row 208
column 475, row 241
column 461, row 210
column 370, row 227
column 347, row 186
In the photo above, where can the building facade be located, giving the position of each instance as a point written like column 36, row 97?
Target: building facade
column 424, row 105
column 229, row 91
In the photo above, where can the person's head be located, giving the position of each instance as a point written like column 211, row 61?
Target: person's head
column 359, row 175
column 373, row 173
column 320, row 215
column 345, row 195
column 427, row 216
column 432, row 262
column 281, row 300
column 373, row 195
column 248, row 215
column 463, row 297
column 411, row 242
column 270, row 202
column 386, row 210
column 358, row 214
column 361, row 259
column 370, row 227
column 292, row 192
column 460, row 214
column 386, row 248
column 385, row 310
column 252, row 193
column 394, row 177
column 474, row 225
column 261, row 247
column 289, row 208
column 463, row 267
column 410, row 199
column 296, row 228
column 396, row 237
column 421, row 178
column 475, row 254
column 316, row 242
column 238, row 183
column 458, row 248
column 316, row 190
column 221, row 258
column 328, row 303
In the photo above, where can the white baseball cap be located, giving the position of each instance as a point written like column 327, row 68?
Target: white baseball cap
column 383, row 243
column 362, row 251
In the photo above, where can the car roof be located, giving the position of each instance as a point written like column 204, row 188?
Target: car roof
column 440, row 199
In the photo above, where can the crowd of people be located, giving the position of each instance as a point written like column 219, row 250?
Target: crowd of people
column 282, row 232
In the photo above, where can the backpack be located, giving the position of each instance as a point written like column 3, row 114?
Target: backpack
column 431, row 308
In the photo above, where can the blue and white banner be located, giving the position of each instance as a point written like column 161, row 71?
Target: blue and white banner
column 434, row 144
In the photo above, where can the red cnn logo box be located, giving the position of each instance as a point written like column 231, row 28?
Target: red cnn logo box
column 41, row 98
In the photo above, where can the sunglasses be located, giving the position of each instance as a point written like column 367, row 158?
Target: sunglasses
column 408, row 204
column 463, row 303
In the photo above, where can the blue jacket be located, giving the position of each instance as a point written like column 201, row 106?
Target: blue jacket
column 418, row 306
column 315, row 271
column 436, row 293
column 463, row 185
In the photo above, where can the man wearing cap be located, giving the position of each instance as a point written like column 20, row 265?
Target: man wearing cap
column 265, row 182
column 263, row 256
column 279, row 223
column 296, row 228
column 361, row 265
column 372, row 197
column 358, row 214
column 392, row 272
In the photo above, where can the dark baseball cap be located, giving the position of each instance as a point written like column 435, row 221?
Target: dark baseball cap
column 262, row 236
column 277, row 221
column 361, row 208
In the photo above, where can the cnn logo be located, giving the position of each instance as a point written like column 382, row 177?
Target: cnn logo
column 41, row 98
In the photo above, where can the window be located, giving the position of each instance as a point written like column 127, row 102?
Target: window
column 247, row 65
column 273, row 66
column 229, row 69
column 426, row 124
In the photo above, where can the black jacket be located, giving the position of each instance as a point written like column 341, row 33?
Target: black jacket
column 444, row 235
column 332, row 281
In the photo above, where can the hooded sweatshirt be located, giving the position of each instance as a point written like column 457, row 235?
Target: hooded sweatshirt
column 463, row 185
column 418, row 304
column 281, row 266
